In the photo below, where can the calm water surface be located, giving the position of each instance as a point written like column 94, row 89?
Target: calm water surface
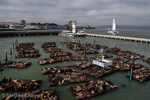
column 133, row 90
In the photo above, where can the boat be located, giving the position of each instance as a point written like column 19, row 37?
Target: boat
column 80, row 34
column 113, row 27
column 73, row 33
column 67, row 33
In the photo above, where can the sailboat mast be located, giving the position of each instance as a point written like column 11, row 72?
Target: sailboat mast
column 113, row 25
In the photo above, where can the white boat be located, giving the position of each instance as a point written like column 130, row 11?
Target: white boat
column 67, row 33
column 113, row 27
column 80, row 34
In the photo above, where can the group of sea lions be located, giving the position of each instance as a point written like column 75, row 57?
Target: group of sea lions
column 57, row 69
column 95, row 46
column 84, row 64
column 81, row 49
column 141, row 74
column 88, row 52
column 100, row 56
column 50, row 47
column 67, row 78
column 119, row 60
column 16, row 64
column 26, row 50
column 18, row 85
column 146, row 60
column 76, row 46
column 48, row 44
column 69, row 75
column 92, row 88
column 127, row 66
column 58, row 54
column 99, row 72
column 127, row 54
column 34, row 95
column 61, row 59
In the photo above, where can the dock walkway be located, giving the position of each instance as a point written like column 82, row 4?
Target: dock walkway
column 24, row 33
column 120, row 38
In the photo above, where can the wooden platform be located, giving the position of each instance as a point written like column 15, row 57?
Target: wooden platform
column 120, row 38
column 24, row 33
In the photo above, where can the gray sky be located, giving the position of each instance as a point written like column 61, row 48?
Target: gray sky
column 92, row 12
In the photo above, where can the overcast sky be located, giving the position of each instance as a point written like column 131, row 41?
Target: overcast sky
column 92, row 12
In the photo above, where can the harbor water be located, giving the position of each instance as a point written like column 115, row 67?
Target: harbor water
column 128, row 90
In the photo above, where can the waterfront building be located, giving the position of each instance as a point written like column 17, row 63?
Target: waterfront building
column 16, row 26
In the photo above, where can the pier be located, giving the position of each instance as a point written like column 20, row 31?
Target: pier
column 26, row 33
column 120, row 38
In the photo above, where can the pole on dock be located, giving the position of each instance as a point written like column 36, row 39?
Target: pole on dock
column 13, row 47
column 0, row 63
column 16, row 42
column 10, row 50
column 84, row 51
column 135, row 48
column 74, row 47
column 57, row 41
column 94, row 41
column 134, row 52
column 131, row 74
column 6, row 55
column 111, row 52
column 114, row 45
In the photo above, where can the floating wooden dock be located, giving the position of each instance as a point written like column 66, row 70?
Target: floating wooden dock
column 25, row 33
column 120, row 38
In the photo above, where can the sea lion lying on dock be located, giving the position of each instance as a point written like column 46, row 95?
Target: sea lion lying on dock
column 99, row 56
column 146, row 60
column 61, row 59
column 26, row 50
column 18, row 85
column 67, row 78
column 83, row 64
column 53, row 49
column 76, row 46
column 92, row 88
column 24, row 45
column 127, row 66
column 57, row 69
column 48, row 44
column 16, row 64
column 58, row 54
column 27, row 55
column 88, row 52
column 119, row 60
column 99, row 72
column 141, row 74
column 96, row 46
column 113, row 50
column 134, row 56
